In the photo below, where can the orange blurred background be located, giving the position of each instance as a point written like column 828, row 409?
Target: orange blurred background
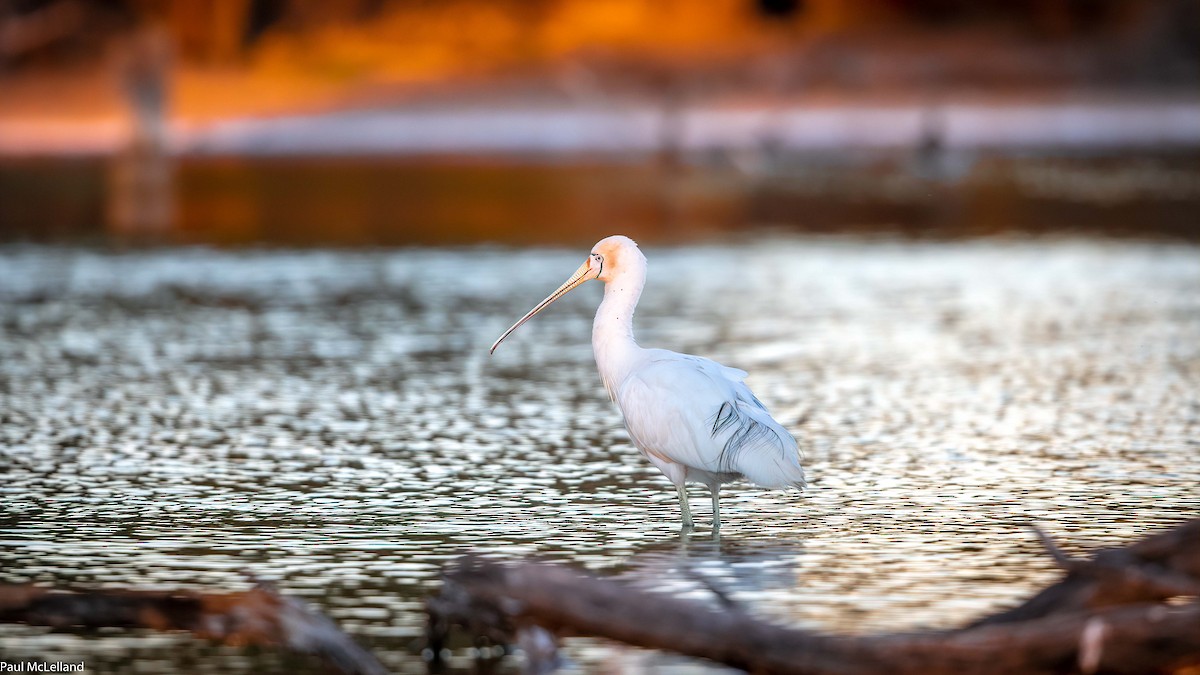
column 411, row 121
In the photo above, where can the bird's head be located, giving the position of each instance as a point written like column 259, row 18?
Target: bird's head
column 607, row 259
column 612, row 255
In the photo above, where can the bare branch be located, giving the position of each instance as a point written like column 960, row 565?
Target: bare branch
column 1064, row 561
column 260, row 616
column 1106, row 616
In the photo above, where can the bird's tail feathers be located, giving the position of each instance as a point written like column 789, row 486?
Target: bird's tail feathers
column 777, row 473
column 756, row 446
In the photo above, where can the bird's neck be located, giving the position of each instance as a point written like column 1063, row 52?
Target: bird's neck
column 612, row 332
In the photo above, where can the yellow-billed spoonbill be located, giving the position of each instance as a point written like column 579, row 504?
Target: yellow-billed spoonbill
column 692, row 418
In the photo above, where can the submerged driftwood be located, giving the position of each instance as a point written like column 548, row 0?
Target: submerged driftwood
column 1109, row 614
column 260, row 616
column 1127, row 610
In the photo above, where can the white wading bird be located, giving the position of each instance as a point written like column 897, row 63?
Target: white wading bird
column 692, row 418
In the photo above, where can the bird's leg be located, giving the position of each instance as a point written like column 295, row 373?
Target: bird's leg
column 716, row 508
column 683, row 505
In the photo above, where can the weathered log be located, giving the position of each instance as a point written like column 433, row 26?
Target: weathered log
column 1122, row 628
column 260, row 616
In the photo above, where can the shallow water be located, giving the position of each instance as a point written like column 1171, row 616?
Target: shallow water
column 332, row 420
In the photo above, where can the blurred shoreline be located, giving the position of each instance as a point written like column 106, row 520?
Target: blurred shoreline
column 1094, row 122
column 556, row 170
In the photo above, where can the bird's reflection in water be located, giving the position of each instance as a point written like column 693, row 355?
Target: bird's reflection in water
column 748, row 573
column 715, row 569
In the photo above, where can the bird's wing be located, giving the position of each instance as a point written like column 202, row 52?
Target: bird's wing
column 696, row 412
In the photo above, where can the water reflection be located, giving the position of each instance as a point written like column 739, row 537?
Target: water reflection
column 332, row 420
column 380, row 201
column 715, row 569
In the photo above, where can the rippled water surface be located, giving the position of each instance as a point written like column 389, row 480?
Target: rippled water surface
column 333, row 421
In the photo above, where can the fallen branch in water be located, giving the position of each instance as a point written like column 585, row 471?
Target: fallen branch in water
column 1106, row 616
column 1161, row 566
column 260, row 616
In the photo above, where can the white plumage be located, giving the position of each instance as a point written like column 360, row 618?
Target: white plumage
column 693, row 418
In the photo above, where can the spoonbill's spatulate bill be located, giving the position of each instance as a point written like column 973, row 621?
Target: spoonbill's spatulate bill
column 692, row 418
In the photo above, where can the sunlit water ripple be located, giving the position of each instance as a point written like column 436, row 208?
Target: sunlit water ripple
column 332, row 420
